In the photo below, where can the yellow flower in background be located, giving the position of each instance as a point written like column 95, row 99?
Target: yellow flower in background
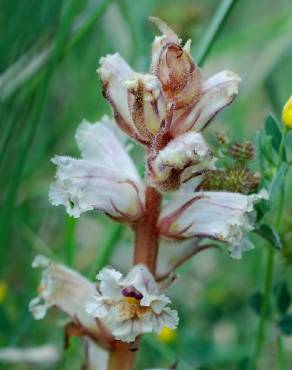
column 3, row 291
column 167, row 335
column 287, row 113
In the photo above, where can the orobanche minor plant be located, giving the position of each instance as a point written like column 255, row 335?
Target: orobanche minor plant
column 166, row 111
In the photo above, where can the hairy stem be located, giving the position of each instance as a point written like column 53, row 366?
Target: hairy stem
column 121, row 357
column 146, row 234
column 146, row 251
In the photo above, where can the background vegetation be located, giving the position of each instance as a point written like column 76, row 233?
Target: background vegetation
column 49, row 52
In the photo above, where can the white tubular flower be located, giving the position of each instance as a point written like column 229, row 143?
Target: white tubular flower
column 222, row 216
column 136, row 99
column 179, row 159
column 131, row 305
column 217, row 93
column 105, row 179
column 65, row 289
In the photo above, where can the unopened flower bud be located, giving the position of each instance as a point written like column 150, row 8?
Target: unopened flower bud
column 136, row 99
column 287, row 113
column 175, row 68
column 222, row 138
column 234, row 179
column 242, row 151
column 179, row 160
column 146, row 104
column 167, row 335
column 3, row 291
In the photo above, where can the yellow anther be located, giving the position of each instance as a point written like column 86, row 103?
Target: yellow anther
column 3, row 291
column 287, row 113
column 131, row 300
column 167, row 335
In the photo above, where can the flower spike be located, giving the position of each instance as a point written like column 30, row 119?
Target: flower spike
column 168, row 108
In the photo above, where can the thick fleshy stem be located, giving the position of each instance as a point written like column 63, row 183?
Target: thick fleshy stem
column 122, row 357
column 146, row 233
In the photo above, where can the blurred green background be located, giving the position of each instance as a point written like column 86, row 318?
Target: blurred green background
column 49, row 52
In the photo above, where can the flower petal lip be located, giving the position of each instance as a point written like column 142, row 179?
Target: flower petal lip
column 131, row 305
column 66, row 289
column 110, row 280
column 218, row 92
column 216, row 215
column 105, row 179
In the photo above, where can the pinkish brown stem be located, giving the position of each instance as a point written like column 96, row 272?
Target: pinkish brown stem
column 146, row 233
column 146, row 251
column 122, row 357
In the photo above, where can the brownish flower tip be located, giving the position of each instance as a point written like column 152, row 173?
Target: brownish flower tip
column 222, row 138
column 242, row 151
column 234, row 179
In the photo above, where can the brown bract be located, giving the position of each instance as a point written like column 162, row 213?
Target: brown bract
column 179, row 76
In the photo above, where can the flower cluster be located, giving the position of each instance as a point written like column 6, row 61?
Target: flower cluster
column 165, row 110
column 168, row 109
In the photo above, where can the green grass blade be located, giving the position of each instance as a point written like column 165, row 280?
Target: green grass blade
column 213, row 30
column 70, row 245
column 109, row 247
column 86, row 27
column 35, row 60
column 34, row 119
